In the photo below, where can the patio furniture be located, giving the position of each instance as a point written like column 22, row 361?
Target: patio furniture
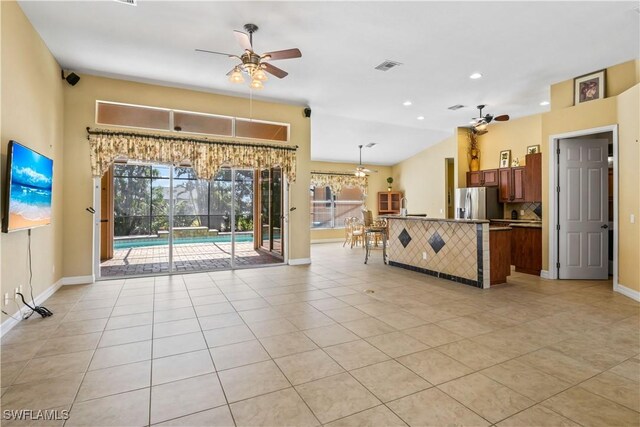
column 354, row 232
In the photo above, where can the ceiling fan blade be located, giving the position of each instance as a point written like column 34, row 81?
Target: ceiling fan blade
column 274, row 70
column 282, row 54
column 243, row 40
column 230, row 55
column 502, row 118
column 231, row 71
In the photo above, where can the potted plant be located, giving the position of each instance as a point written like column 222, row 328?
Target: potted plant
column 389, row 182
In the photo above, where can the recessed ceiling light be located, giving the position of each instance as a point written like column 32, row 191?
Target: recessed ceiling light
column 407, row 103
column 420, row 117
column 543, row 103
column 475, row 76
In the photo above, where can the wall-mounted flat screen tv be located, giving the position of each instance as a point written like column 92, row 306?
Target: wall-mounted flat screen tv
column 29, row 184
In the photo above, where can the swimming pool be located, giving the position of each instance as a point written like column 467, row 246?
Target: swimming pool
column 141, row 242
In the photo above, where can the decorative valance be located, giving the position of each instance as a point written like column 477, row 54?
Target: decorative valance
column 206, row 156
column 336, row 180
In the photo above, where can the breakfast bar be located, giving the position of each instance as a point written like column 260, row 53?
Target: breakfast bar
column 452, row 249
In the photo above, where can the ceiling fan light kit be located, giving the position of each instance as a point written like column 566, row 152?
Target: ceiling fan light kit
column 256, row 66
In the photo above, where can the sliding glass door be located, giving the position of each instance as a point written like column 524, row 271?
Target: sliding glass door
column 167, row 220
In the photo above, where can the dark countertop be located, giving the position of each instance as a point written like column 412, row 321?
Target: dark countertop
column 421, row 218
column 526, row 225
column 494, row 228
column 517, row 220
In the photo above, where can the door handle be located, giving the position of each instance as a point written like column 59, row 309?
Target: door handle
column 605, row 226
column 104, row 220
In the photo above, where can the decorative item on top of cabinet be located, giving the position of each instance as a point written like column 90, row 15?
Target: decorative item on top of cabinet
column 389, row 202
column 474, row 152
column 389, row 182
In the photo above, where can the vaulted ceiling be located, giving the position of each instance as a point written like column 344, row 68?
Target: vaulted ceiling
column 519, row 47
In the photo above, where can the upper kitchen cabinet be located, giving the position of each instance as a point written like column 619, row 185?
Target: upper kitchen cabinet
column 483, row 178
column 511, row 184
column 522, row 183
column 533, row 182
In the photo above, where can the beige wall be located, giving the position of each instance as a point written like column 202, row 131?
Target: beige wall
column 377, row 182
column 629, row 187
column 32, row 109
column 618, row 78
column 422, row 178
column 79, row 113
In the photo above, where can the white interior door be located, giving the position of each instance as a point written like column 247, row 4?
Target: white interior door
column 582, row 209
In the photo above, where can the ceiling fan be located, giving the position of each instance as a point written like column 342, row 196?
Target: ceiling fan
column 360, row 170
column 252, row 63
column 479, row 124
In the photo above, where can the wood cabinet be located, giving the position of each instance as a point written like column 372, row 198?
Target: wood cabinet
column 511, row 184
column 389, row 202
column 500, row 255
column 483, row 178
column 526, row 249
column 533, row 182
column 474, row 179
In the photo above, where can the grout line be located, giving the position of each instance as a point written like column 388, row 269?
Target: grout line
column 73, row 402
column 213, row 363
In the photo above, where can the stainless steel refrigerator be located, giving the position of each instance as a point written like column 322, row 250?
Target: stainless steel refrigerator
column 478, row 203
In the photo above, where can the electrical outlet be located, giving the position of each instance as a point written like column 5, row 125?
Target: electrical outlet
column 521, row 212
column 15, row 294
column 20, row 289
column 6, row 299
column 632, row 219
column 424, row 256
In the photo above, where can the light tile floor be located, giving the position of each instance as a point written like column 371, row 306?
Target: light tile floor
column 307, row 345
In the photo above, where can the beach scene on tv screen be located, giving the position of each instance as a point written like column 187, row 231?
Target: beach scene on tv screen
column 30, row 189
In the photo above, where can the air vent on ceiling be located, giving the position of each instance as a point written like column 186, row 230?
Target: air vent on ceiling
column 371, row 144
column 455, row 107
column 387, row 65
column 129, row 2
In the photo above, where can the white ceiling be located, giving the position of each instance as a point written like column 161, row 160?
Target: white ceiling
column 519, row 47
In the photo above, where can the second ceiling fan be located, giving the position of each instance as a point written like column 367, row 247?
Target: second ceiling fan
column 252, row 63
column 479, row 124
column 360, row 170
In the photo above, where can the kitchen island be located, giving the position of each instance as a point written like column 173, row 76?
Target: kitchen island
column 451, row 249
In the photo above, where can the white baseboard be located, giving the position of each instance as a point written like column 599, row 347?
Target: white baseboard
column 628, row 292
column 300, row 261
column 8, row 324
column 327, row 240
column 77, row 280
column 544, row 274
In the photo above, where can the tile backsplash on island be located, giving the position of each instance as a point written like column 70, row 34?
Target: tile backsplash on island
column 449, row 249
column 528, row 209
